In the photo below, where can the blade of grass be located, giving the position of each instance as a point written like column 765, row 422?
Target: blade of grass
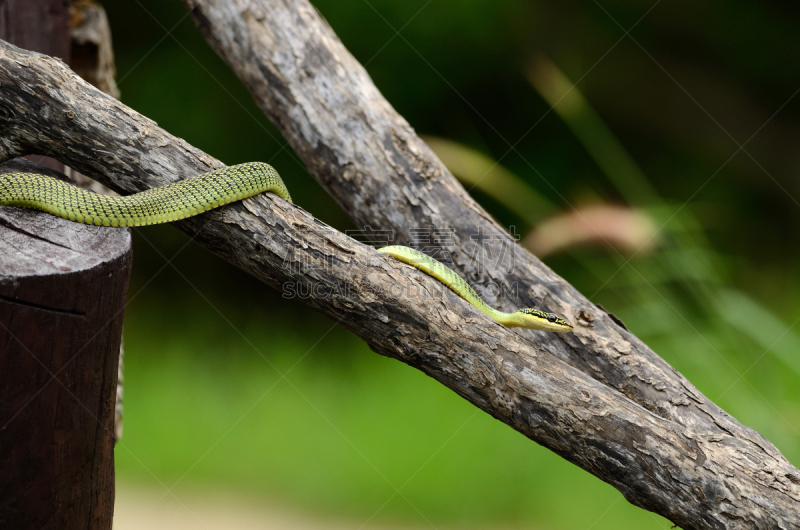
column 598, row 140
column 476, row 170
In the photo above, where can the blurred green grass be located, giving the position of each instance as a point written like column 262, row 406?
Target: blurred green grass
column 337, row 435
column 717, row 298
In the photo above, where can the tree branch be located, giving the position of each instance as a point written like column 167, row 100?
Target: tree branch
column 371, row 160
column 368, row 157
column 698, row 478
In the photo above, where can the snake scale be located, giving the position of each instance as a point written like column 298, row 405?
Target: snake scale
column 196, row 195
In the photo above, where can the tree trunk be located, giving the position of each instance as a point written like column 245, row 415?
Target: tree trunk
column 40, row 26
column 62, row 294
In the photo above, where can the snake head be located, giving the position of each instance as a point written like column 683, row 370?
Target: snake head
column 535, row 319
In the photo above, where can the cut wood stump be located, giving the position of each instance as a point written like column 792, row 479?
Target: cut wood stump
column 63, row 287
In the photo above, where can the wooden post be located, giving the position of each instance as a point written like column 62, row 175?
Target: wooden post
column 41, row 26
column 62, row 293
column 38, row 25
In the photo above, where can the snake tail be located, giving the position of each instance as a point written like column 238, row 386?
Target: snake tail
column 172, row 202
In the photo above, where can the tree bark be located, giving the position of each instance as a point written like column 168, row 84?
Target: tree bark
column 695, row 473
column 62, row 295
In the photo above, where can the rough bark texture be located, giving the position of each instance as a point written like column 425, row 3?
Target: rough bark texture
column 685, row 460
column 62, row 294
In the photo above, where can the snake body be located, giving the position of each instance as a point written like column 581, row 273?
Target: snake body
column 526, row 318
column 196, row 195
column 172, row 202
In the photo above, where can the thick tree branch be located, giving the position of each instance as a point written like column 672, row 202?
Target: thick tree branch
column 371, row 160
column 699, row 478
column 385, row 176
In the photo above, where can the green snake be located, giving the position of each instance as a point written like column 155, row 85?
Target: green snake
column 196, row 195
column 524, row 318
column 172, row 202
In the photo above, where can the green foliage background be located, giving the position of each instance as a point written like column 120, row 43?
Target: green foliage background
column 228, row 385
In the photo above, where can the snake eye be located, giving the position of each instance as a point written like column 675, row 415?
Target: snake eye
column 552, row 317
